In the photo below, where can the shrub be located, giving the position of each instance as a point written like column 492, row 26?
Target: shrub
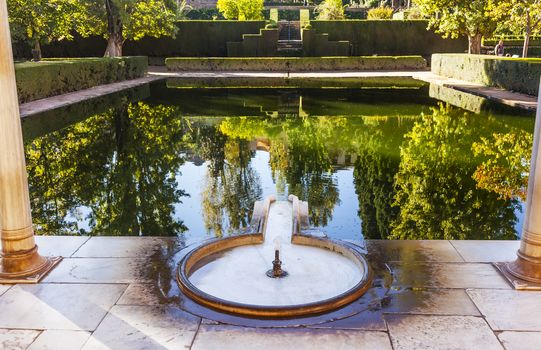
column 330, row 10
column 380, row 13
column 242, row 10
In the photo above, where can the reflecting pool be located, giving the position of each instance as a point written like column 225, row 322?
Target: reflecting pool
column 372, row 163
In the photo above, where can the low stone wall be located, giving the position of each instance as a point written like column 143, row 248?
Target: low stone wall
column 36, row 80
column 296, row 64
column 515, row 74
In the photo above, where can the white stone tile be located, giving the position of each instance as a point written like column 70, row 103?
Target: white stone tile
column 234, row 338
column 487, row 251
column 440, row 332
column 509, row 309
column 520, row 340
column 139, row 294
column 452, row 275
column 121, row 247
column 4, row 288
column 432, row 302
column 60, row 340
column 57, row 306
column 63, row 246
column 101, row 270
column 15, row 339
column 144, row 327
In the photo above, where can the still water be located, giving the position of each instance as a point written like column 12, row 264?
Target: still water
column 372, row 163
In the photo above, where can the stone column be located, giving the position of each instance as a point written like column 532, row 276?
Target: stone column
column 525, row 271
column 19, row 259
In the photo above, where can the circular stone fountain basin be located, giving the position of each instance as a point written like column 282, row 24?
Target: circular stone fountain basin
column 230, row 274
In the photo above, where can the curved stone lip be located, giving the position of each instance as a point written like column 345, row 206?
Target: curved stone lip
column 189, row 264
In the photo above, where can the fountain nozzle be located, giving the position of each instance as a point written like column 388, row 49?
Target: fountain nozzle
column 277, row 271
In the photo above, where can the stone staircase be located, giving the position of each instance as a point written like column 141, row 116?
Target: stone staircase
column 289, row 38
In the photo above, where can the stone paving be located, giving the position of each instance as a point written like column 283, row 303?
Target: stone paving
column 103, row 295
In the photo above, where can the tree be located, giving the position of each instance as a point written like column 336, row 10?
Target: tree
column 522, row 16
column 455, row 18
column 242, row 10
column 435, row 190
column 41, row 21
column 330, row 10
column 506, row 166
column 121, row 20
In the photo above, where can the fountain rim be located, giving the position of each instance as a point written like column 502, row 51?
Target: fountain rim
column 218, row 245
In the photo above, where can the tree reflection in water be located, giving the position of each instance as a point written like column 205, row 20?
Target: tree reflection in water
column 444, row 174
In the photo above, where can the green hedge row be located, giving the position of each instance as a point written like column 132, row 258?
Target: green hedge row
column 47, row 78
column 193, row 39
column 515, row 74
column 296, row 64
column 210, row 38
column 386, row 37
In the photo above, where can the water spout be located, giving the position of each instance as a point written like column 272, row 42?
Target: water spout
column 277, row 271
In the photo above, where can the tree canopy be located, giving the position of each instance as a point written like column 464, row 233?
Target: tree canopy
column 242, row 10
column 454, row 18
column 42, row 21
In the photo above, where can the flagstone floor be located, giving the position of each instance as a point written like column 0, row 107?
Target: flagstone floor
column 119, row 293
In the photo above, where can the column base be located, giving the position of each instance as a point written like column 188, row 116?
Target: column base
column 25, row 267
column 522, row 274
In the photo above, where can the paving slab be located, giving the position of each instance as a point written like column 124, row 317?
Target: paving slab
column 63, row 246
column 57, row 306
column 440, row 332
column 520, row 340
column 121, row 247
column 101, row 270
column 139, row 294
column 509, row 309
column 487, row 251
column 16, row 339
column 234, row 338
column 144, row 327
column 431, row 302
column 60, row 340
column 447, row 275
column 365, row 320
column 4, row 288
column 413, row 251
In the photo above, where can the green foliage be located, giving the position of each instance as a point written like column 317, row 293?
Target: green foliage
column 520, row 16
column 452, row 18
column 393, row 37
column 380, row 13
column 120, row 166
column 295, row 63
column 37, row 80
column 435, row 190
column 330, row 10
column 153, row 18
column 516, row 74
column 242, row 10
column 506, row 164
column 42, row 21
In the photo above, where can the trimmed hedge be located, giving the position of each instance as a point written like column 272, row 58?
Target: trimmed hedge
column 386, row 37
column 296, row 64
column 264, row 44
column 193, row 39
column 53, row 77
column 515, row 74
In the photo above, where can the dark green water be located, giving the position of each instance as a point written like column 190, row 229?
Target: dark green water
column 382, row 163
